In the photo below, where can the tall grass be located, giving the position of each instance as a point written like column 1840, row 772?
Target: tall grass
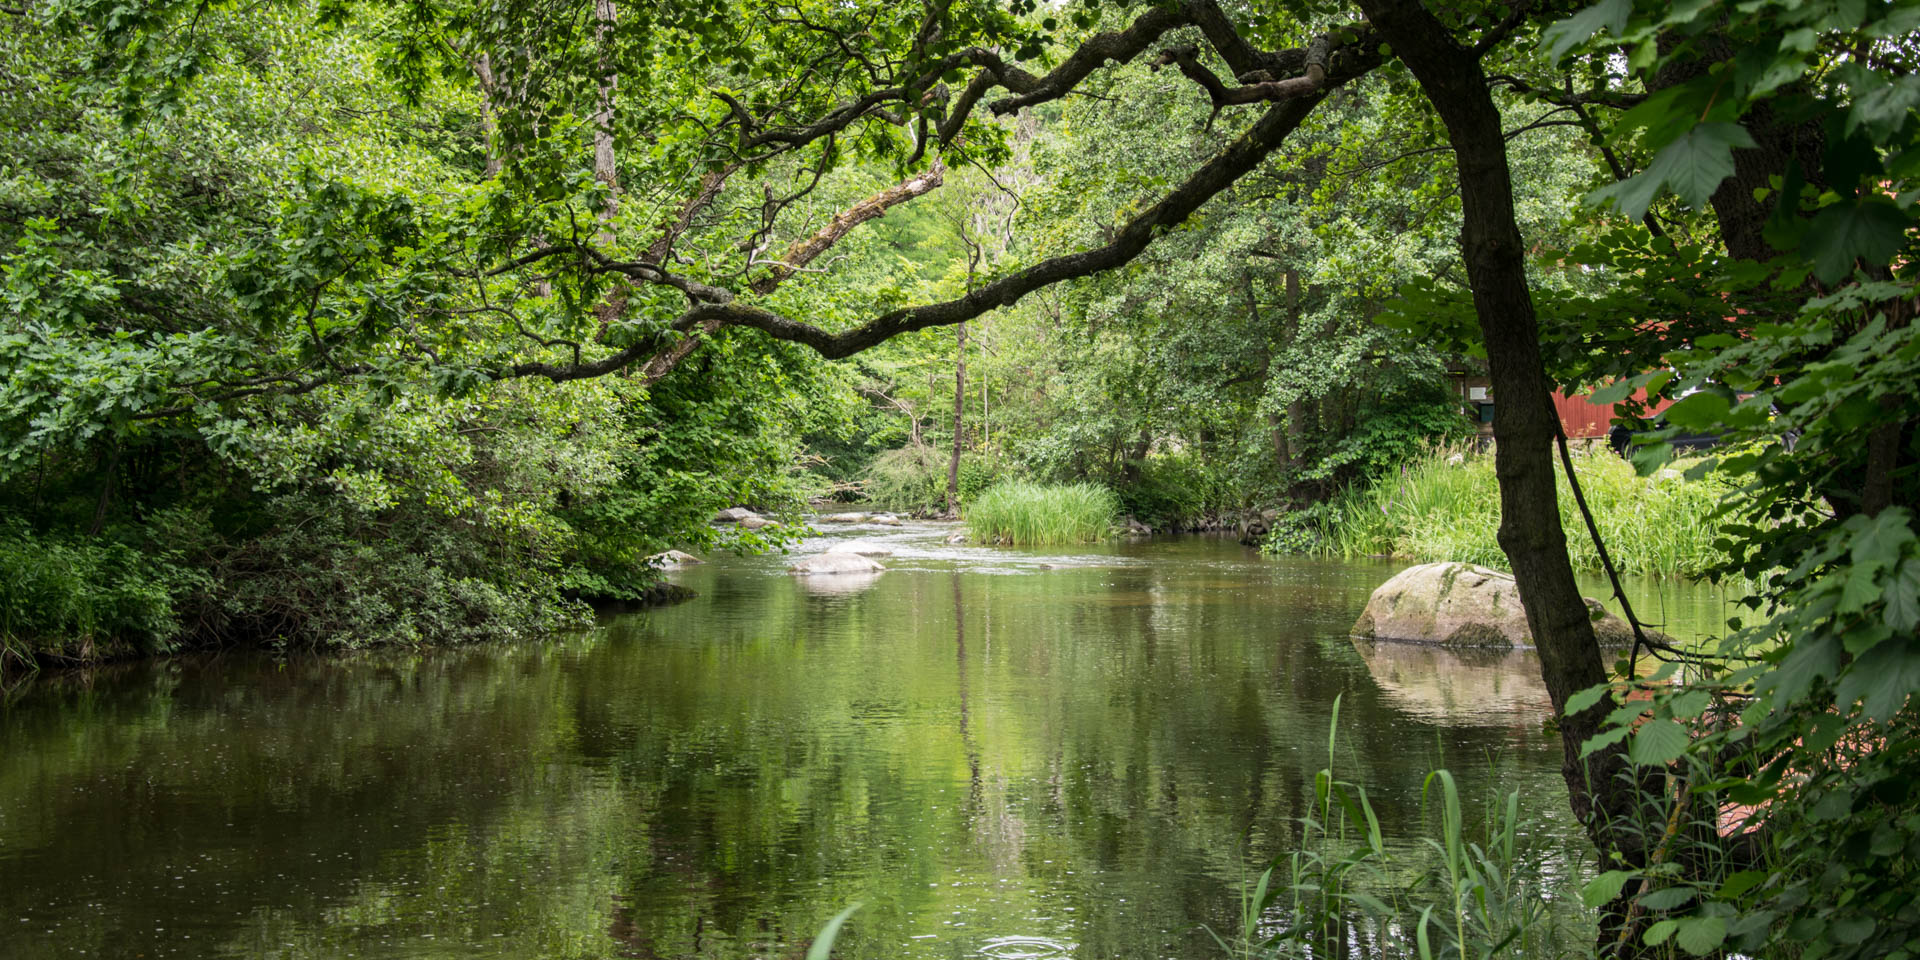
column 1440, row 509
column 1471, row 891
column 1034, row 514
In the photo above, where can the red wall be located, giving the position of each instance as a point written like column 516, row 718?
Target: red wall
column 1584, row 420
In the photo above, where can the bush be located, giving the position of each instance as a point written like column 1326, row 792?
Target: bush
column 914, row 477
column 73, row 598
column 1440, row 508
column 1028, row 513
column 1173, row 488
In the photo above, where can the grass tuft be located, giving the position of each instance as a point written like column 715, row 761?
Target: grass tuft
column 1033, row 514
column 1438, row 509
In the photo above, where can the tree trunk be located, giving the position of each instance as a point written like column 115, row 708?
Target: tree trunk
column 959, row 416
column 1525, row 424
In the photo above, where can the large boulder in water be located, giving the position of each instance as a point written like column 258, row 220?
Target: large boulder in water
column 835, row 564
column 1464, row 605
column 844, row 518
column 673, row 558
column 734, row 515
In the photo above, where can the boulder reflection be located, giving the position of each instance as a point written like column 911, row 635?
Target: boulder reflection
column 1470, row 687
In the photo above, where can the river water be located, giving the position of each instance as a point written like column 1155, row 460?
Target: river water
column 1000, row 753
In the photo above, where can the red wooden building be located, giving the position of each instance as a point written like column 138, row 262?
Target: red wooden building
column 1581, row 418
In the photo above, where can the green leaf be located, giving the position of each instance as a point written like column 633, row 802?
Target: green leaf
column 1659, row 932
column 1564, row 35
column 1604, row 738
column 1903, row 598
column 1740, row 883
column 1586, row 698
column 1603, row 889
column 1701, row 935
column 1693, row 165
column 1666, row 898
column 1699, row 411
column 823, row 941
column 1658, row 741
column 1871, row 228
column 1882, row 677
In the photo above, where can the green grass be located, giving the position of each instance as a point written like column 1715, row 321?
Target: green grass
column 1482, row 890
column 1435, row 510
column 1033, row 514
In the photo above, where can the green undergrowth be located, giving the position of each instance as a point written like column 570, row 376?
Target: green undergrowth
column 1481, row 885
column 1446, row 506
column 1033, row 514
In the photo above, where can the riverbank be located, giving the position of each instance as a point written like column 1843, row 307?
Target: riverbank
column 1446, row 506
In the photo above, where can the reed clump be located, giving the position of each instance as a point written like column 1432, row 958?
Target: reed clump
column 1446, row 506
column 1025, row 513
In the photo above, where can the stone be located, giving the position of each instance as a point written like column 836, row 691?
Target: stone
column 1464, row 605
column 884, row 519
column 757, row 522
column 844, row 518
column 835, row 564
column 733, row 515
column 862, row 548
column 673, row 558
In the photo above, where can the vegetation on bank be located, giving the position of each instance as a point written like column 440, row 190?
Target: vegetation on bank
column 1446, row 506
column 1024, row 513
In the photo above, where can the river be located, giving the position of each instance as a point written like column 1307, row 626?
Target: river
column 1000, row 753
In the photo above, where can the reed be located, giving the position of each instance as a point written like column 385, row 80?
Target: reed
column 1463, row 891
column 1446, row 506
column 1033, row 514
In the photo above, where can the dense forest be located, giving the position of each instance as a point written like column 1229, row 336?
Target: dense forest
column 330, row 324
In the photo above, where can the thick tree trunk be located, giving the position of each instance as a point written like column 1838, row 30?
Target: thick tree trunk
column 959, row 417
column 1524, row 424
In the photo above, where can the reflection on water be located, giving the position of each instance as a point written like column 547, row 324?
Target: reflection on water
column 1003, row 754
column 1448, row 686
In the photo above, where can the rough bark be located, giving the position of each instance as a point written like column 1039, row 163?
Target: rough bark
column 807, row 249
column 959, row 417
column 1525, row 424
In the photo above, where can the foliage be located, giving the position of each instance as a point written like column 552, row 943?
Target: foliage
column 1025, row 513
column 1446, row 506
column 78, row 598
column 915, row 478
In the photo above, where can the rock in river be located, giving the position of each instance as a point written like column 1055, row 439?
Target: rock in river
column 673, row 558
column 756, row 522
column 734, row 515
column 1464, row 605
column 862, row 548
column 844, row 518
column 835, row 564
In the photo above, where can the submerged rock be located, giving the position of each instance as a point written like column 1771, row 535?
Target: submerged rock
column 835, row 564
column 734, row 515
column 1464, row 605
column 862, row 548
column 844, row 518
column 673, row 558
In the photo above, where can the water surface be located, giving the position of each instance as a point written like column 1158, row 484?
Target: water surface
column 1007, row 754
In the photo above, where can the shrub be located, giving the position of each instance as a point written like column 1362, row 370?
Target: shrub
column 1028, row 513
column 914, row 477
column 69, row 597
column 1173, row 488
